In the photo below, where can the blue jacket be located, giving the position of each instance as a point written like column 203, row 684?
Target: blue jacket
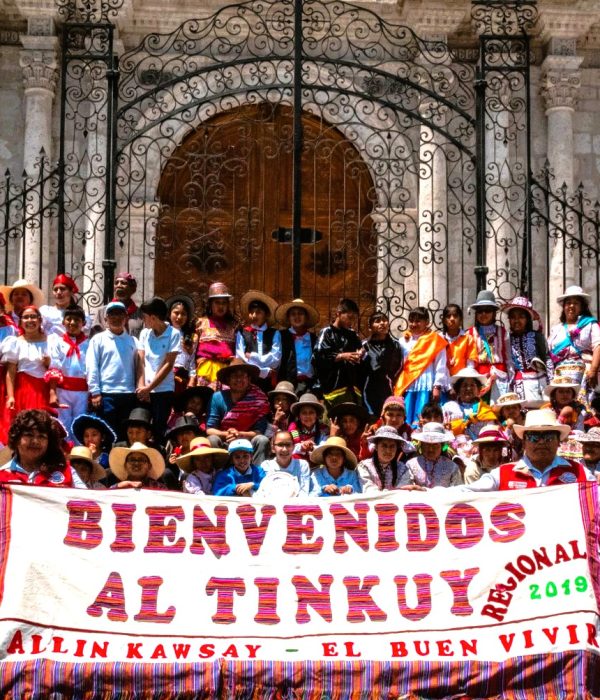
column 227, row 479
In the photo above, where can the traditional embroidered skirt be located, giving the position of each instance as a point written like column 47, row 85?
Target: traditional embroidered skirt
column 207, row 371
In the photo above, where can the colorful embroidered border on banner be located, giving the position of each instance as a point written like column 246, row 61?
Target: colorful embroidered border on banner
column 145, row 594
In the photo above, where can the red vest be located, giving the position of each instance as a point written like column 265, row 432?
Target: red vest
column 563, row 474
column 57, row 477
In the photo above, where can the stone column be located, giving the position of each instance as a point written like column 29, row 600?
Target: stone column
column 39, row 64
column 560, row 85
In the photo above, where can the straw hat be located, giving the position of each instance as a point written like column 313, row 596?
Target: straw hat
column 118, row 455
column 467, row 373
column 541, row 420
column 316, row 456
column 311, row 313
column 199, row 447
column 509, row 399
column 255, row 295
column 561, row 383
column 572, row 291
column 37, row 296
column 224, row 373
column 307, row 400
column 283, row 387
column 485, row 298
column 489, row 435
column 85, row 454
column 386, row 432
column 433, row 433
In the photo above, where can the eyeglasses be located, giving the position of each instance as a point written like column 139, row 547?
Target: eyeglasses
column 543, row 436
column 30, row 317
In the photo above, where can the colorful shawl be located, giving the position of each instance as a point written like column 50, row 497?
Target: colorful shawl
column 560, row 351
column 247, row 411
column 216, row 340
column 419, row 358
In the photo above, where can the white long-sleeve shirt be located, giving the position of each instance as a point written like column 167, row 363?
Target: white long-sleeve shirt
column 264, row 361
column 111, row 363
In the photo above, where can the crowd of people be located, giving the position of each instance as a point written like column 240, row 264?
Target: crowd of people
column 253, row 401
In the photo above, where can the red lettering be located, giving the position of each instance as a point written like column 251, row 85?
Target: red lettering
column 225, row 589
column 541, row 558
column 79, row 648
column 507, row 518
column 207, row 651
column 351, row 651
column 214, row 534
column 111, row 597
column 360, row 600
column 298, row 530
column 255, row 532
column 573, row 638
column 416, row 540
column 159, row 652
column 561, row 554
column 398, row 649
column 181, row 651
column 497, row 595
column 99, row 650
column 307, row 594
column 83, row 530
column 57, row 643
column 423, row 606
column 494, row 612
column 551, row 634
column 162, row 526
column 36, row 646
column 133, row 650
column 16, row 644
column 507, row 640
column 468, row 647
column 252, row 650
column 149, row 606
column 576, row 553
column 231, row 651
column 444, row 648
column 528, row 639
column 591, row 640
column 459, row 583
column 346, row 524
column 329, row 649
column 267, row 601
column 123, row 527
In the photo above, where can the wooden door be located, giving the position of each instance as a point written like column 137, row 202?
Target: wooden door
column 226, row 203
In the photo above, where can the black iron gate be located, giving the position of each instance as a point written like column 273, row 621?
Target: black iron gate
column 301, row 147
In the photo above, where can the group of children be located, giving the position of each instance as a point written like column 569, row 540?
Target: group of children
column 342, row 415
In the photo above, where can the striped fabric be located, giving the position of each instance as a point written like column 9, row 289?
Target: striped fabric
column 568, row 676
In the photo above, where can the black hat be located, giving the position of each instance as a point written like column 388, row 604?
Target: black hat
column 88, row 420
column 140, row 416
column 204, row 392
column 349, row 409
column 184, row 423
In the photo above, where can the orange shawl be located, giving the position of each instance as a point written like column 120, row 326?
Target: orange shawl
column 419, row 358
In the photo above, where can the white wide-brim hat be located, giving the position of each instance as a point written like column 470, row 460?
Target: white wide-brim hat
column 433, row 433
column 573, row 291
column 118, row 455
column 467, row 373
column 37, row 296
column 540, row 421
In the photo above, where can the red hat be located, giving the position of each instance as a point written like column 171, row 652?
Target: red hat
column 128, row 277
column 67, row 281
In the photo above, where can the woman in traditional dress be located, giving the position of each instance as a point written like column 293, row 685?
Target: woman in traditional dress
column 574, row 342
column 28, row 358
column 216, row 336
column 529, row 350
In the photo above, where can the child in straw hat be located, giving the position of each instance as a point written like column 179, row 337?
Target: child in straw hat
column 337, row 476
column 199, row 465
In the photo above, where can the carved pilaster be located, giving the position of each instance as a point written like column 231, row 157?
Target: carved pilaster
column 560, row 82
column 39, row 63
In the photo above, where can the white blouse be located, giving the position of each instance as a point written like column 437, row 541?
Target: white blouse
column 28, row 356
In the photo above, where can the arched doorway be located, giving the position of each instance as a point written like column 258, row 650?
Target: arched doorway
column 226, row 211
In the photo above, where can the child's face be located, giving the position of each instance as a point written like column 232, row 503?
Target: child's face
column 282, row 402
column 394, row 417
column 283, row 448
column 184, row 437
column 347, row 319
column 92, row 436
column 562, row 396
column 194, row 405
column 380, row 326
column 417, row 325
column 178, row 316
column 83, row 469
column 73, row 324
column 386, row 450
column 591, row 452
column 307, row 416
column 297, row 318
column 138, row 433
column 257, row 316
column 517, row 319
column 19, row 298
column 334, row 459
column 116, row 321
column 202, row 463
column 431, row 450
column 241, row 460
column 490, row 455
column 219, row 307
column 511, row 412
column 452, row 321
column 349, row 424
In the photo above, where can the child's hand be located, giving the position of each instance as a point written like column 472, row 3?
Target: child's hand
column 334, row 427
column 332, row 489
column 308, row 446
column 172, row 458
column 346, row 489
column 244, row 489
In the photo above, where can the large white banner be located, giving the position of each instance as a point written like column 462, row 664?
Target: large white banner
column 147, row 576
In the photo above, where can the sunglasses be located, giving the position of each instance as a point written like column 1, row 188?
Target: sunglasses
column 543, row 436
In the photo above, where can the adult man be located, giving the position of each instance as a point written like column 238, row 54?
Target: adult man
column 124, row 288
column 239, row 412
column 539, row 466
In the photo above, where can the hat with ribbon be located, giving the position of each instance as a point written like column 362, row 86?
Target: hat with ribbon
column 199, row 447
column 433, row 433
column 316, row 456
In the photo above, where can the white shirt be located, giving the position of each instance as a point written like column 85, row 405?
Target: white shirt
column 265, row 362
column 297, row 467
column 28, row 356
column 110, row 363
column 70, row 366
column 155, row 349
